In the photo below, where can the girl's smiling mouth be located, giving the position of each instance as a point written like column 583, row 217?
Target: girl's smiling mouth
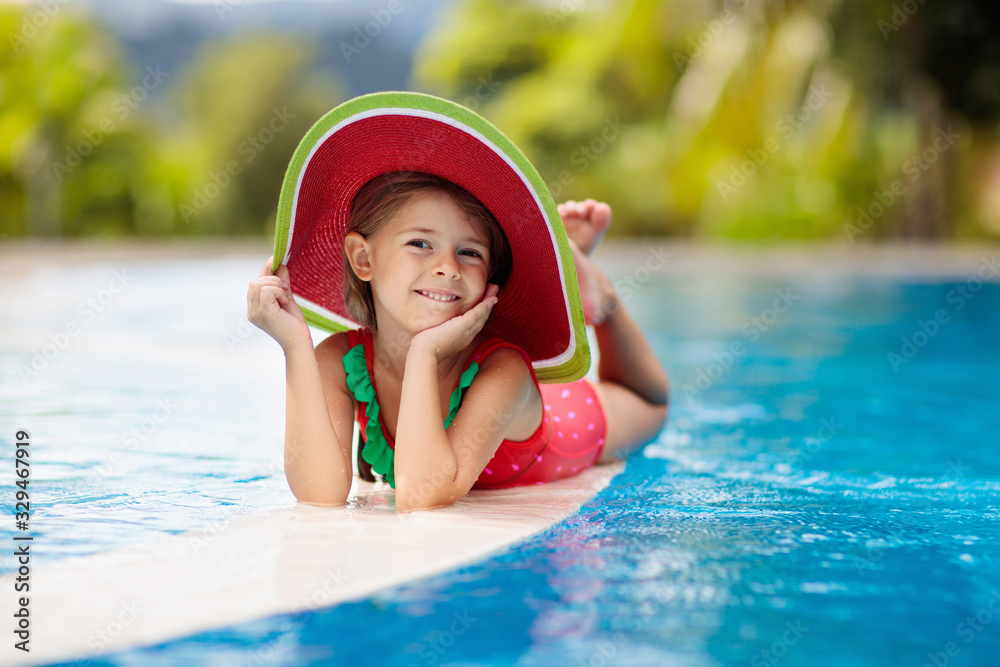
column 444, row 297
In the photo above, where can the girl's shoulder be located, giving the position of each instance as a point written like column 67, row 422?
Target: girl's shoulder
column 495, row 353
column 330, row 353
column 489, row 343
column 339, row 342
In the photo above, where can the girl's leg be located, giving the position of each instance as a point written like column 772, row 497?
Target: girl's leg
column 633, row 387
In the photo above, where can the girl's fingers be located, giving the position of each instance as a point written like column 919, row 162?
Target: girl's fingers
column 281, row 273
column 281, row 297
column 264, row 290
column 263, row 296
column 274, row 281
column 483, row 310
column 489, row 300
column 259, row 284
column 475, row 318
column 460, row 330
column 253, row 299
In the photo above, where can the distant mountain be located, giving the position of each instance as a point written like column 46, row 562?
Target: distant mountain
column 169, row 33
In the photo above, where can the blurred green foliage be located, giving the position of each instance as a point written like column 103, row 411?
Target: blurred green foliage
column 90, row 147
column 56, row 86
column 743, row 119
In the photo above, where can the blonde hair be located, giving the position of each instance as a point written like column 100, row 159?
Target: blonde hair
column 381, row 198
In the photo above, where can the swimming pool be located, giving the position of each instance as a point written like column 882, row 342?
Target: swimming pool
column 825, row 493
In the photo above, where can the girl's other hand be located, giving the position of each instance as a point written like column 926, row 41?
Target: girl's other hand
column 272, row 309
column 457, row 333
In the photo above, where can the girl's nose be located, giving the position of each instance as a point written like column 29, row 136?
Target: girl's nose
column 446, row 266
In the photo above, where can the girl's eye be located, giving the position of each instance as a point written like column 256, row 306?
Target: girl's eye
column 417, row 243
column 472, row 253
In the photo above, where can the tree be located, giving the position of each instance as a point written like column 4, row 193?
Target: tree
column 237, row 113
column 70, row 158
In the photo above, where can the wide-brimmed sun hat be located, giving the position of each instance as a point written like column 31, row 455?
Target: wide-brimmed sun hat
column 539, row 305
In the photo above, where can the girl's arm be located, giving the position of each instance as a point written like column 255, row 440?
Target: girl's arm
column 319, row 423
column 318, row 412
column 435, row 467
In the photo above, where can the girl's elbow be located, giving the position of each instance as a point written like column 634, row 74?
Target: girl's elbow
column 321, row 490
column 424, row 491
column 323, row 496
column 409, row 499
column 664, row 394
column 660, row 412
column 406, row 507
column 659, row 395
column 322, row 499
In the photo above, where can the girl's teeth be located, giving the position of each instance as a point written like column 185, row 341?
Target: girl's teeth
column 439, row 297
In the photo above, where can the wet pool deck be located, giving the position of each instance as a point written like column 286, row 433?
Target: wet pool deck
column 287, row 558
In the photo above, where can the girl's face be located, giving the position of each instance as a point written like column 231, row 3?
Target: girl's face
column 428, row 264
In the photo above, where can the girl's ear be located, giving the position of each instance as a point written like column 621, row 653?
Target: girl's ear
column 359, row 255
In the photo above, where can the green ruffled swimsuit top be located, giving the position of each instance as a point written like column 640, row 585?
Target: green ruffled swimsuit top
column 376, row 449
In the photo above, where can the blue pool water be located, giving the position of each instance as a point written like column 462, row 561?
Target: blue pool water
column 814, row 500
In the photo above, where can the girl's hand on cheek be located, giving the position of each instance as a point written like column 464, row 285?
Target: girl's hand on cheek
column 457, row 333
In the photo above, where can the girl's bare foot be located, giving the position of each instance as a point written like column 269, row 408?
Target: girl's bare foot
column 596, row 291
column 585, row 222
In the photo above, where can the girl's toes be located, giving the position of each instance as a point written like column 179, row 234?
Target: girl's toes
column 585, row 222
column 600, row 217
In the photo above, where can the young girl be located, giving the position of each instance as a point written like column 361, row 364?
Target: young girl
column 444, row 403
